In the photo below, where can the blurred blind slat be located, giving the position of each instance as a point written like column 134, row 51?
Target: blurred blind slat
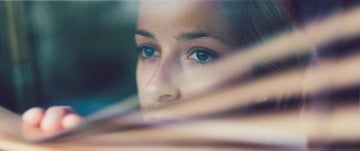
column 19, row 57
column 6, row 91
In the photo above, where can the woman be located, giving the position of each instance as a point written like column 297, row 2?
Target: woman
column 175, row 38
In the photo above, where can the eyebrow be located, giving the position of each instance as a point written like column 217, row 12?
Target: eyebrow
column 144, row 33
column 191, row 35
column 185, row 36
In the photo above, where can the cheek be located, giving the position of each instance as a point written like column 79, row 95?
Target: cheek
column 198, row 83
column 139, row 75
column 143, row 71
column 140, row 81
column 202, row 88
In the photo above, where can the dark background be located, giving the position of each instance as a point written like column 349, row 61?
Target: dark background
column 77, row 53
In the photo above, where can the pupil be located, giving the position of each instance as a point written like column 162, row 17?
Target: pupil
column 149, row 52
column 202, row 55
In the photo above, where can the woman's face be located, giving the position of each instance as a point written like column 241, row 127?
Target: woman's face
column 174, row 39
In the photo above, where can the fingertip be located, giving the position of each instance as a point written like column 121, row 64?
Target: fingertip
column 52, row 119
column 71, row 120
column 33, row 116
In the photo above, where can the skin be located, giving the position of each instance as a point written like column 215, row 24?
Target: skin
column 53, row 119
column 174, row 40
column 167, row 57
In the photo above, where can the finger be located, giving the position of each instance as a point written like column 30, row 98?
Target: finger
column 33, row 116
column 71, row 120
column 52, row 120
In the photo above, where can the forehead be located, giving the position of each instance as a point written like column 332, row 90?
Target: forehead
column 175, row 14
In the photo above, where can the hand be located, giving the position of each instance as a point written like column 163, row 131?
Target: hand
column 53, row 119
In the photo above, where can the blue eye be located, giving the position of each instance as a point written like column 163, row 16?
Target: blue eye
column 203, row 55
column 147, row 52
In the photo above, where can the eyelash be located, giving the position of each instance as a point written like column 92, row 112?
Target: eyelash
column 193, row 54
column 196, row 52
column 142, row 51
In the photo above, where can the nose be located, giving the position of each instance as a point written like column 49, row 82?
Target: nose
column 161, row 86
